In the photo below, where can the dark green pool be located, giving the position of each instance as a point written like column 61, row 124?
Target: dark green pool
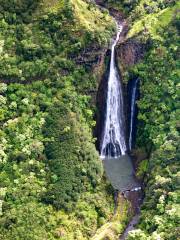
column 120, row 173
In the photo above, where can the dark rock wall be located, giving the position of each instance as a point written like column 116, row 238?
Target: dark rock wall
column 130, row 52
column 101, row 100
column 127, row 53
column 117, row 14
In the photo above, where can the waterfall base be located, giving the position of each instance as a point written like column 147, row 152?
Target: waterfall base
column 120, row 173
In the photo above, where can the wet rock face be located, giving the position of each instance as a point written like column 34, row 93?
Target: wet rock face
column 130, row 52
column 100, row 2
column 90, row 58
column 101, row 101
column 117, row 14
column 135, row 198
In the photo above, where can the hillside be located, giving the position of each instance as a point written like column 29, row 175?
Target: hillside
column 53, row 57
column 51, row 180
column 156, row 24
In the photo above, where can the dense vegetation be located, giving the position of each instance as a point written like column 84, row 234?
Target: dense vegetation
column 158, row 22
column 51, row 180
column 125, row 6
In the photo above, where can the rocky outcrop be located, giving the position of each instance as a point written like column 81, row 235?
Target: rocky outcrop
column 91, row 57
column 129, row 53
column 101, row 100
column 118, row 15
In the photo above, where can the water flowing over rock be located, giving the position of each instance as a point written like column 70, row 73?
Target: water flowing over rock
column 113, row 142
column 132, row 111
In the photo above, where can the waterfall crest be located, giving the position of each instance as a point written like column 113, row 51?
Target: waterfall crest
column 113, row 142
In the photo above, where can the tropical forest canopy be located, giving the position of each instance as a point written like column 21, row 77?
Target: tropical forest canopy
column 52, row 183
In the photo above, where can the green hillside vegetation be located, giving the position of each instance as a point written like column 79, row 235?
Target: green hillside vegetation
column 151, row 17
column 158, row 120
column 52, row 184
column 51, row 180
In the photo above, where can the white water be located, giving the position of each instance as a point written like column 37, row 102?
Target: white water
column 113, row 140
column 133, row 104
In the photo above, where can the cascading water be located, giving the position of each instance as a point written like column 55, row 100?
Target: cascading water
column 113, row 143
column 133, row 110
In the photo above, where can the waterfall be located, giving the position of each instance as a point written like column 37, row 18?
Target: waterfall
column 132, row 111
column 113, row 142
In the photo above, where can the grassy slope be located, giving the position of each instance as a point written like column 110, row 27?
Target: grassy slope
column 153, row 22
column 91, row 17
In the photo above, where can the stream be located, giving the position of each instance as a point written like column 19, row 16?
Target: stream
column 134, row 221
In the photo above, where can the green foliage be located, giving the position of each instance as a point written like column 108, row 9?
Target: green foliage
column 149, row 16
column 158, row 124
column 72, row 159
column 125, row 6
column 48, row 160
column 27, row 50
column 142, row 169
column 16, row 11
